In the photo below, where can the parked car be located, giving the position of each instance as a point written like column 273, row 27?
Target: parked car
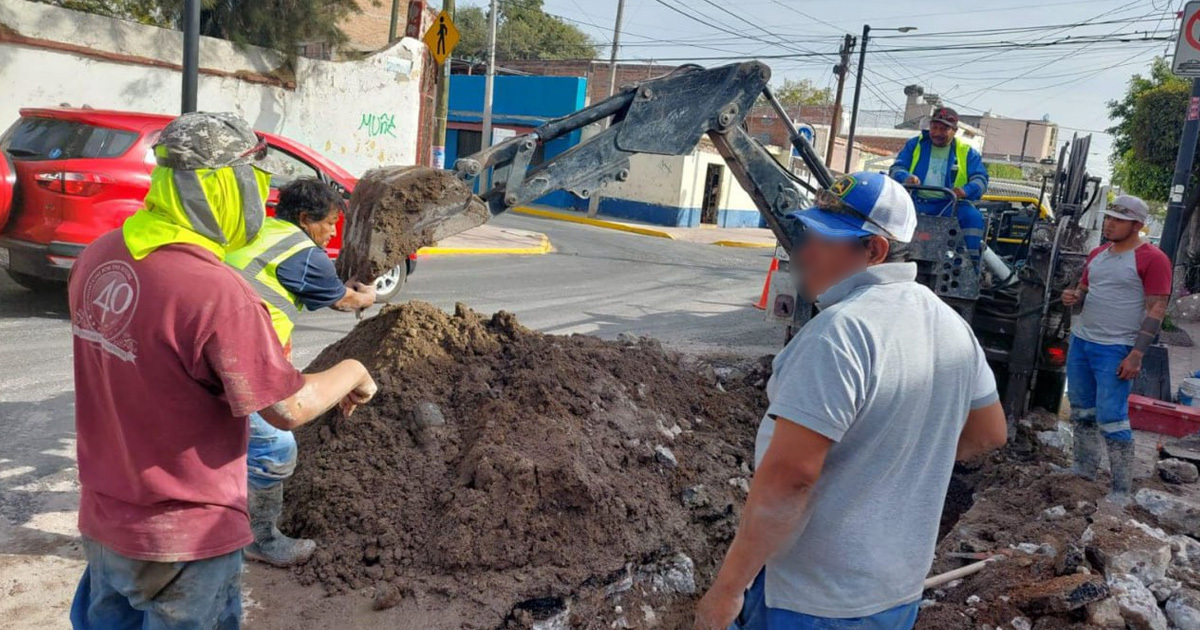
column 68, row 175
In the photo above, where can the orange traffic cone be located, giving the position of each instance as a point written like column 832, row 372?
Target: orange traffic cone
column 762, row 301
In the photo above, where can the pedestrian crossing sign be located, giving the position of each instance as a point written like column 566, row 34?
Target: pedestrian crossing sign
column 441, row 38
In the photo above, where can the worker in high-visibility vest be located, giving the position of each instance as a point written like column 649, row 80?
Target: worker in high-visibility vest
column 287, row 266
column 937, row 158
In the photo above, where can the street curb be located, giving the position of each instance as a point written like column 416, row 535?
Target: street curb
column 572, row 218
column 747, row 244
column 544, row 247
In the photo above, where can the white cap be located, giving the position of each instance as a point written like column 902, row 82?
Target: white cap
column 1129, row 208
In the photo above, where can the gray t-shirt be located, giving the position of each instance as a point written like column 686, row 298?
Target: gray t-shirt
column 888, row 372
column 1118, row 283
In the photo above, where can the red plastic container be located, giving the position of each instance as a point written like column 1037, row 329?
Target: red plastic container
column 1151, row 414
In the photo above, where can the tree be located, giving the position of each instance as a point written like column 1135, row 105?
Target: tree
column 523, row 31
column 278, row 24
column 1149, row 119
column 794, row 93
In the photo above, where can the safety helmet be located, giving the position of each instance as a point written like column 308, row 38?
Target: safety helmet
column 208, row 140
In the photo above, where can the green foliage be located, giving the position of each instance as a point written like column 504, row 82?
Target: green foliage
column 794, row 93
column 523, row 31
column 1005, row 171
column 1149, row 119
column 144, row 11
column 279, row 24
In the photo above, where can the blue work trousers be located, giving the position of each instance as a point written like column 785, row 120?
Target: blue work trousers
column 271, row 455
column 756, row 616
column 1095, row 392
column 119, row 593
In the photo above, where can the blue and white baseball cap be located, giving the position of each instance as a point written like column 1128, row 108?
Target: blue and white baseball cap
column 861, row 204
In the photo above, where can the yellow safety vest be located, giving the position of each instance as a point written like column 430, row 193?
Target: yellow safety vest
column 257, row 263
column 961, row 152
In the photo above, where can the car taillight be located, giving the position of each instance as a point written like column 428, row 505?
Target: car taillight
column 1056, row 355
column 67, row 183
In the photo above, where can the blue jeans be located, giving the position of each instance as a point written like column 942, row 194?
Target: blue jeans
column 1095, row 392
column 756, row 616
column 271, row 456
column 970, row 219
column 119, row 593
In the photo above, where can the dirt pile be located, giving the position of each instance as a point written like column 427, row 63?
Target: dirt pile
column 396, row 210
column 507, row 478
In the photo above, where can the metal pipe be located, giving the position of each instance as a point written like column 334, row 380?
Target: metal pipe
column 489, row 86
column 858, row 81
column 395, row 21
column 800, row 143
column 441, row 107
column 191, row 54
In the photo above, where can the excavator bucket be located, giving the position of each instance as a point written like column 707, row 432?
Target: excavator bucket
column 396, row 210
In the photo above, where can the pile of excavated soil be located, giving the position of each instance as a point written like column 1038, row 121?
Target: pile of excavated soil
column 515, row 479
column 396, row 210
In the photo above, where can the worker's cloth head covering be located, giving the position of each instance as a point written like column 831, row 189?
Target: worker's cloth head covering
column 1129, row 208
column 204, row 190
column 862, row 204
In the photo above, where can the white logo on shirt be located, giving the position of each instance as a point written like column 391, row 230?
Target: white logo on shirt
column 110, row 298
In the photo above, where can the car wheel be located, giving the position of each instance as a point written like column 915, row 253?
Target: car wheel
column 36, row 284
column 388, row 286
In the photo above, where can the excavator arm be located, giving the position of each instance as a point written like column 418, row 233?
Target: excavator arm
column 666, row 115
column 395, row 210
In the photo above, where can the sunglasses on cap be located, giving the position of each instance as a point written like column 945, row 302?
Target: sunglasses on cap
column 833, row 204
column 258, row 151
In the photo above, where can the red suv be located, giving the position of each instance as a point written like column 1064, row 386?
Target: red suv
column 68, row 175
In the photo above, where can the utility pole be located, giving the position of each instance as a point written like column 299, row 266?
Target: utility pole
column 489, row 85
column 616, row 43
column 1183, row 170
column 442, row 107
column 840, row 71
column 191, row 54
column 1024, row 141
column 858, row 81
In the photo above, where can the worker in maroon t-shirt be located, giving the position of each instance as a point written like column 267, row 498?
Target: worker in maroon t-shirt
column 1125, row 288
column 173, row 350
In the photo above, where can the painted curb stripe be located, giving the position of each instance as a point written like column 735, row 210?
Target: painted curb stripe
column 611, row 225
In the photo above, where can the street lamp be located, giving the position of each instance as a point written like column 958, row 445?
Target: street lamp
column 862, row 59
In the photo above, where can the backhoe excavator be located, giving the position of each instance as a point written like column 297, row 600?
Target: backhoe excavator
column 1012, row 302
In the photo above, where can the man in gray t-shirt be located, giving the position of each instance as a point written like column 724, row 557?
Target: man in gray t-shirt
column 870, row 406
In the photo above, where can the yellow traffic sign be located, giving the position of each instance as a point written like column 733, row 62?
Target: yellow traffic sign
column 441, row 38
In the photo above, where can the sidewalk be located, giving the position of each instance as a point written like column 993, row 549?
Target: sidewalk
column 491, row 239
column 707, row 234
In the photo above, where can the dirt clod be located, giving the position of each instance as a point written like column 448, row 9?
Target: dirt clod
column 543, row 493
column 396, row 210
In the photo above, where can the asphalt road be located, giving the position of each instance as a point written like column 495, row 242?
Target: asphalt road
column 691, row 296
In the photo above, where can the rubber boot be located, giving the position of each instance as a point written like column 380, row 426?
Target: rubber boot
column 1087, row 450
column 270, row 545
column 1120, row 460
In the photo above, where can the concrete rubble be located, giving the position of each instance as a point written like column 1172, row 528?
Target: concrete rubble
column 1074, row 559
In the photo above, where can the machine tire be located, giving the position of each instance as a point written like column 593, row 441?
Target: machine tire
column 388, row 286
column 36, row 284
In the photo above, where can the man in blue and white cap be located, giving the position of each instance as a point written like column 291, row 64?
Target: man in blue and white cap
column 854, row 455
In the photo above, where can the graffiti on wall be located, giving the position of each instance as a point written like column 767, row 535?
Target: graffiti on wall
column 378, row 124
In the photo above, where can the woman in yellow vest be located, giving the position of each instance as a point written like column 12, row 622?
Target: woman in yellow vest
column 288, row 267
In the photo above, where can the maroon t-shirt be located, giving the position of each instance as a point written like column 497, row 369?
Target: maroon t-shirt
column 172, row 352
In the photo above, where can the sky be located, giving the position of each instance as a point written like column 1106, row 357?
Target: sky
column 1069, row 83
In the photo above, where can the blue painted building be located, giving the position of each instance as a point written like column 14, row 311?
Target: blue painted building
column 519, row 104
